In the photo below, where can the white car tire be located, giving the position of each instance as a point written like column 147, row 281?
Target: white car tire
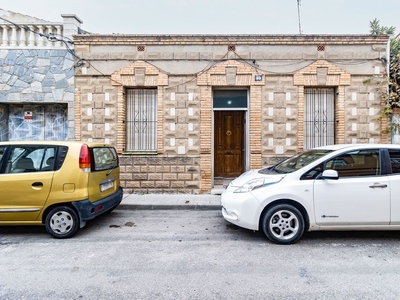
column 283, row 224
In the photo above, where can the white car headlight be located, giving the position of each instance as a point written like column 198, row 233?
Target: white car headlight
column 257, row 183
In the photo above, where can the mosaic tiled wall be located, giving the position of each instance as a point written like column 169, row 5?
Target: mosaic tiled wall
column 38, row 82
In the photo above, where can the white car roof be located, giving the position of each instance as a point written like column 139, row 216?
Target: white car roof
column 358, row 146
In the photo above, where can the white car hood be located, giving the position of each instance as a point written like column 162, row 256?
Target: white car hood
column 249, row 175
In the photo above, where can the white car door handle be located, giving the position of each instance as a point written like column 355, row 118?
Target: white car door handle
column 378, row 185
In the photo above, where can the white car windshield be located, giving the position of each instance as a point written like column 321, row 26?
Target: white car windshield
column 296, row 162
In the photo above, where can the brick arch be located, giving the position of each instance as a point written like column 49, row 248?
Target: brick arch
column 138, row 74
column 230, row 74
column 322, row 74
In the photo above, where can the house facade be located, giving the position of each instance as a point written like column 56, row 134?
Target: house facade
column 37, row 77
column 189, row 112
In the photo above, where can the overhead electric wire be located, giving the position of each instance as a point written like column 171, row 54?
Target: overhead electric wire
column 52, row 38
column 80, row 61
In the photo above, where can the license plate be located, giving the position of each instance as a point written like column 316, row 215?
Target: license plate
column 106, row 186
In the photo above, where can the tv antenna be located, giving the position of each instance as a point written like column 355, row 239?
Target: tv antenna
column 298, row 14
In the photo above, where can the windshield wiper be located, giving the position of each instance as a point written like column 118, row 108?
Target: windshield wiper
column 109, row 172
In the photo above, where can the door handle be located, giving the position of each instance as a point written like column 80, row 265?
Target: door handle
column 37, row 183
column 377, row 185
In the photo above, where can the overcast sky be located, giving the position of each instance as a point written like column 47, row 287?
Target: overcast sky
column 216, row 16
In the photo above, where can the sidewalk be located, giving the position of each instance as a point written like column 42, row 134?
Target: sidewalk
column 170, row 201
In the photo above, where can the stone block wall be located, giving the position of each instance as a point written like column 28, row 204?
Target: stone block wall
column 280, row 118
column 186, row 69
column 96, row 113
column 363, row 109
column 182, row 117
column 163, row 174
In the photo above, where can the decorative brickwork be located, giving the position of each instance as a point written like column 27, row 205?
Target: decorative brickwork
column 217, row 77
column 138, row 74
column 147, row 174
column 357, row 114
column 78, row 117
column 186, row 69
column 333, row 77
column 96, row 110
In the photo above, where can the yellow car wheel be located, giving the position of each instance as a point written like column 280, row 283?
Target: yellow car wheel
column 62, row 222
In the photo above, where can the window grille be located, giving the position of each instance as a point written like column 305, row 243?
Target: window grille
column 319, row 115
column 141, row 123
column 141, row 48
column 321, row 48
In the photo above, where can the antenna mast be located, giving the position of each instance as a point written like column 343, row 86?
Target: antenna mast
column 298, row 14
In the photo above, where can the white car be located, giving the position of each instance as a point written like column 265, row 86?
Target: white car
column 337, row 187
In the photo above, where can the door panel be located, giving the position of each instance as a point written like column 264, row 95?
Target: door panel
column 228, row 143
column 24, row 182
column 352, row 201
column 361, row 196
column 24, row 198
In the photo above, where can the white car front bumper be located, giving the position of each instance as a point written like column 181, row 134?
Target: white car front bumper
column 241, row 209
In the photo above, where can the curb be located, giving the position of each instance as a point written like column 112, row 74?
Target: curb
column 167, row 207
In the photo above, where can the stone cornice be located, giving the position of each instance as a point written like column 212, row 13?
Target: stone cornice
column 302, row 39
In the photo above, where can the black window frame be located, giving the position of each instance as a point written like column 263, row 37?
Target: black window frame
column 388, row 161
column 60, row 153
column 385, row 165
column 113, row 166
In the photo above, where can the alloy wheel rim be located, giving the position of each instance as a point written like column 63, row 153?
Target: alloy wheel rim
column 284, row 224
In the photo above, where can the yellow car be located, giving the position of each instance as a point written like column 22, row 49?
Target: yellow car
column 61, row 184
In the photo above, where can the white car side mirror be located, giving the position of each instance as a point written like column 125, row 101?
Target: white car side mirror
column 330, row 174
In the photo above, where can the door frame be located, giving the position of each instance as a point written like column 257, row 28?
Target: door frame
column 246, row 158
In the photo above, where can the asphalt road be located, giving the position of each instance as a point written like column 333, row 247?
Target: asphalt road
column 194, row 255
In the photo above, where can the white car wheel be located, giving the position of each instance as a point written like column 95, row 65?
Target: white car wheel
column 283, row 224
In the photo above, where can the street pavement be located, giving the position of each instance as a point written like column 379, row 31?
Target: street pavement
column 170, row 201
